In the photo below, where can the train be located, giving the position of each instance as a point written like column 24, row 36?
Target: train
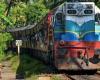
column 67, row 37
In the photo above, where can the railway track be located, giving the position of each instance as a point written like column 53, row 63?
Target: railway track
column 96, row 76
column 64, row 76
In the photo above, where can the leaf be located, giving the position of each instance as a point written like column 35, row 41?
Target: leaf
column 5, row 19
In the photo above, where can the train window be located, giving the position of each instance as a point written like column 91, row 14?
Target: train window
column 60, row 17
column 88, row 11
column 71, row 11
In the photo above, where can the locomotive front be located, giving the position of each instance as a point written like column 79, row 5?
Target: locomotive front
column 75, row 38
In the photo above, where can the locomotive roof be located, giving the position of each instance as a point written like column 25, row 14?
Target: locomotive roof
column 22, row 28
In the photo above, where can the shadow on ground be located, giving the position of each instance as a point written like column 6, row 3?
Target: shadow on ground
column 29, row 66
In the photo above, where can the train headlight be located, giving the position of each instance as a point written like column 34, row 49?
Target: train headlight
column 62, row 42
column 88, row 11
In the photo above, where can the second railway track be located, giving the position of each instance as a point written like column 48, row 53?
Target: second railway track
column 96, row 76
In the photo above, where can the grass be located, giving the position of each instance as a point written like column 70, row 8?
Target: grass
column 56, row 78
column 27, row 66
column 1, row 57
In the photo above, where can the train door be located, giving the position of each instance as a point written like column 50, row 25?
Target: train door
column 59, row 30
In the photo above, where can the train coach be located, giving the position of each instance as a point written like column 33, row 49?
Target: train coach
column 67, row 37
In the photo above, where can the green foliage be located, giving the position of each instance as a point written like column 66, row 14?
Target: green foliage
column 2, row 7
column 98, row 3
column 17, row 14
column 3, row 19
column 23, row 14
column 56, row 78
column 4, row 37
column 35, row 12
column 20, row 13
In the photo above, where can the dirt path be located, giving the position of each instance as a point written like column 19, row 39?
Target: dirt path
column 6, row 72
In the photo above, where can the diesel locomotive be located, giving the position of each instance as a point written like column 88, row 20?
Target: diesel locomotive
column 67, row 37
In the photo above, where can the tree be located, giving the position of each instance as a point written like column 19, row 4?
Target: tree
column 97, row 3
column 35, row 12
column 4, row 37
column 18, row 13
column 24, row 13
